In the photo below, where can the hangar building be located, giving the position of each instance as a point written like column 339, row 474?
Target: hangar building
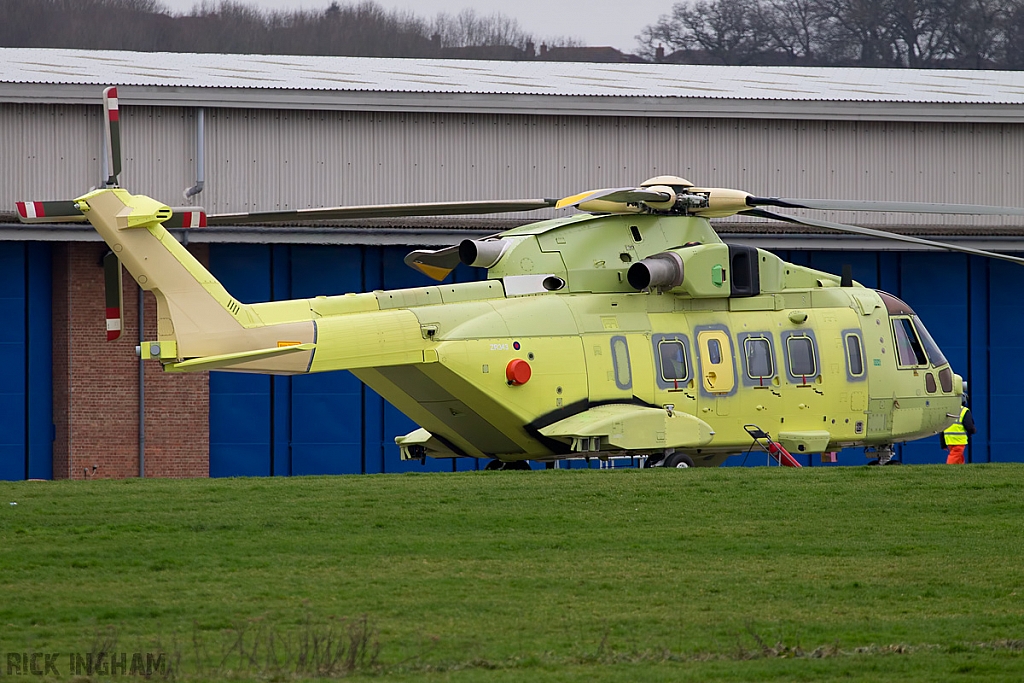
column 262, row 132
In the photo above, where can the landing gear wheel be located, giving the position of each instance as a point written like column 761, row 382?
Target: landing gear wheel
column 871, row 463
column 894, row 462
column 678, row 460
column 495, row 465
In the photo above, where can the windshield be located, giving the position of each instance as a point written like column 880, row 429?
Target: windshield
column 934, row 354
column 908, row 348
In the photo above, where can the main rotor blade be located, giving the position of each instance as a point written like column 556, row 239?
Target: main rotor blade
column 380, row 211
column 435, row 264
column 894, row 207
column 883, row 234
column 112, row 135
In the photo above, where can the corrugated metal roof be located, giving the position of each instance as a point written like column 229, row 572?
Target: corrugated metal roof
column 364, row 74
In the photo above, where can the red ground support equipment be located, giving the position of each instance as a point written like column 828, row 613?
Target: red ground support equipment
column 774, row 449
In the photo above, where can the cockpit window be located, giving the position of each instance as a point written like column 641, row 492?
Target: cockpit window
column 934, row 353
column 909, row 350
column 854, row 356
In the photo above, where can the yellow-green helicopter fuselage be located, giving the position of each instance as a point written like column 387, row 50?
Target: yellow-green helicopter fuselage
column 592, row 336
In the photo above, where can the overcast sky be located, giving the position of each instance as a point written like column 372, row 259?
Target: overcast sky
column 595, row 22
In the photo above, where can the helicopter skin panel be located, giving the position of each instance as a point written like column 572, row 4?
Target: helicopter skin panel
column 375, row 339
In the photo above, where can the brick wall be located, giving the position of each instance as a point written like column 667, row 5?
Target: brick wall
column 96, row 383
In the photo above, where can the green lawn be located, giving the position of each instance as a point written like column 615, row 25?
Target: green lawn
column 882, row 573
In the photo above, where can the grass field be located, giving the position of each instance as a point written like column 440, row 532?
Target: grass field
column 865, row 574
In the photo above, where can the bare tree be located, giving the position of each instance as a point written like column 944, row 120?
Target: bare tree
column 887, row 33
column 469, row 28
column 728, row 31
column 357, row 28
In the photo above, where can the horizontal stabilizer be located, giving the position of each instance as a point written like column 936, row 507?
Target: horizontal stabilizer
column 632, row 428
column 227, row 360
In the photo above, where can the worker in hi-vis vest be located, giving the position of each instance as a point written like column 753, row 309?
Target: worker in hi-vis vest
column 954, row 439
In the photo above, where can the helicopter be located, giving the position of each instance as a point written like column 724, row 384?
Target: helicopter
column 628, row 328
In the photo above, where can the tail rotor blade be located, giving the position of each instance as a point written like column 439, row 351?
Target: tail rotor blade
column 185, row 217
column 112, row 295
column 112, row 131
column 49, row 212
column 66, row 211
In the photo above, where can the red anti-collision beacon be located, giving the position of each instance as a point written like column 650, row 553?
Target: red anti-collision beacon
column 518, row 372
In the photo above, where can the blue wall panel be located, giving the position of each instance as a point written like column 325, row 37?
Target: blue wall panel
column 240, row 405
column 26, row 386
column 327, row 422
column 1006, row 364
column 13, row 302
column 39, row 337
column 978, row 369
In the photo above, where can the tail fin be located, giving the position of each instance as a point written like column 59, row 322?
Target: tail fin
column 193, row 308
column 191, row 304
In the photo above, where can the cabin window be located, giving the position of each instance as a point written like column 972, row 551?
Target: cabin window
column 801, row 357
column 854, row 355
column 909, row 350
column 758, row 352
column 673, row 360
column 934, row 353
column 620, row 361
column 714, row 352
